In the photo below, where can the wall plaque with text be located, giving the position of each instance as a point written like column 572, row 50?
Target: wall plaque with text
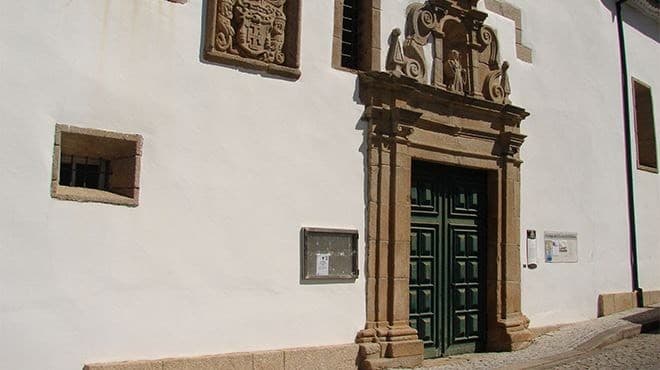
column 560, row 247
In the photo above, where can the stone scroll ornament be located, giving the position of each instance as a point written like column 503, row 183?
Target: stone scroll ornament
column 253, row 29
column 465, row 51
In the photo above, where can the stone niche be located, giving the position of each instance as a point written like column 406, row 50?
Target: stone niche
column 453, row 110
column 262, row 35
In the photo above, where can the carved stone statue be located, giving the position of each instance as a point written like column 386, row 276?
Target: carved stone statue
column 395, row 62
column 454, row 73
column 465, row 51
column 504, row 82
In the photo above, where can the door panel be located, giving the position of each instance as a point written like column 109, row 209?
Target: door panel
column 423, row 299
column 447, row 258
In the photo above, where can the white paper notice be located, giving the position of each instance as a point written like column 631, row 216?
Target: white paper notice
column 555, row 248
column 322, row 264
column 560, row 246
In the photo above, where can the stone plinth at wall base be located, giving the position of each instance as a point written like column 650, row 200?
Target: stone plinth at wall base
column 392, row 363
column 651, row 297
column 341, row 357
column 609, row 303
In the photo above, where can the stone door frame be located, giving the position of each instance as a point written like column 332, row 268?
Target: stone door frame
column 408, row 120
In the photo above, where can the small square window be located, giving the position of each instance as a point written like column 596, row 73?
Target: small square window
column 92, row 165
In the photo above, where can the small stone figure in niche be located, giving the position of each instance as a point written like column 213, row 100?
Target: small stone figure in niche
column 504, row 82
column 225, row 32
column 454, row 73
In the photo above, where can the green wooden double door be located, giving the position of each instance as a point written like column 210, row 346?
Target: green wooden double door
column 447, row 258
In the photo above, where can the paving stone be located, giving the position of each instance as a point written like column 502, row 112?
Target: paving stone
column 640, row 352
column 555, row 343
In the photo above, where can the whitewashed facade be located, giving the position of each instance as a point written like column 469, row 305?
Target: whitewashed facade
column 235, row 162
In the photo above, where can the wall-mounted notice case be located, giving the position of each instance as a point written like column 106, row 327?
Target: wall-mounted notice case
column 329, row 254
column 560, row 247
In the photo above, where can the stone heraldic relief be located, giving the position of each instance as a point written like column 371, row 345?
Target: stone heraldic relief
column 465, row 51
column 251, row 33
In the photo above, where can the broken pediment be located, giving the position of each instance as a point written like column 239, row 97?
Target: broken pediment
column 257, row 34
column 465, row 52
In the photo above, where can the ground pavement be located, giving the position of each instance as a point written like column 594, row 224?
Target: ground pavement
column 598, row 343
column 640, row 352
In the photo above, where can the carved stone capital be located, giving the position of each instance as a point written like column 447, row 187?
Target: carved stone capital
column 392, row 124
column 392, row 130
column 510, row 143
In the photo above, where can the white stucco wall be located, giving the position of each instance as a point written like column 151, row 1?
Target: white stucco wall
column 234, row 164
column 643, row 53
column 573, row 178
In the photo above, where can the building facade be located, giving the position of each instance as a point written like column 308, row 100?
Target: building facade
column 320, row 184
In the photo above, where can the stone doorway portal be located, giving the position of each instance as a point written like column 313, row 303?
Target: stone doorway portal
column 407, row 122
column 454, row 111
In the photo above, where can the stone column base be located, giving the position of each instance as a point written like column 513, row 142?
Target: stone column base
column 383, row 348
column 388, row 363
column 509, row 334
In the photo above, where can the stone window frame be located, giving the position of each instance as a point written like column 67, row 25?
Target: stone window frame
column 131, row 166
column 291, row 67
column 650, row 131
column 509, row 11
column 369, row 50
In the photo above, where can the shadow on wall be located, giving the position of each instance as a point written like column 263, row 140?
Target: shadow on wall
column 362, row 125
column 635, row 19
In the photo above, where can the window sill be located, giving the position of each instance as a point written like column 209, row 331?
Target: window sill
column 647, row 168
column 345, row 69
column 91, row 195
column 238, row 61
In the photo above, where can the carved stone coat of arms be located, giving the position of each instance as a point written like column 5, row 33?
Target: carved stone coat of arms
column 251, row 28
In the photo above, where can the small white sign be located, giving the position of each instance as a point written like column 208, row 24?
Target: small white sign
column 560, row 247
column 531, row 253
column 322, row 264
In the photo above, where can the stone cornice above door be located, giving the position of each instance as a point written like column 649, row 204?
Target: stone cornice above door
column 399, row 105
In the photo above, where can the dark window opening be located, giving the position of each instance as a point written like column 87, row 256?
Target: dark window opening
column 350, row 34
column 647, row 157
column 84, row 172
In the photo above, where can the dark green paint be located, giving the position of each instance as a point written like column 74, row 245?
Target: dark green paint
column 447, row 258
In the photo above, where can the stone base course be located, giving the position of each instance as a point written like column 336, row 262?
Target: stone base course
column 339, row 357
column 553, row 344
column 609, row 303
